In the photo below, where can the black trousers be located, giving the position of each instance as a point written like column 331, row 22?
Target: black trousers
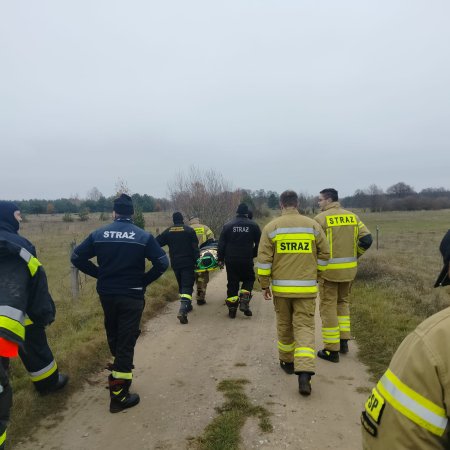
column 186, row 279
column 5, row 399
column 237, row 272
column 122, row 319
column 38, row 358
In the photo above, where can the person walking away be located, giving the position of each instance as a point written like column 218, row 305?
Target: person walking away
column 409, row 406
column 238, row 245
column 349, row 238
column 121, row 249
column 204, row 235
column 35, row 353
column 183, row 251
column 293, row 248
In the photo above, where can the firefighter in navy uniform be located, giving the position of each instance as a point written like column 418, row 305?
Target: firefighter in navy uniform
column 35, row 354
column 204, row 234
column 238, row 245
column 409, row 407
column 23, row 294
column 183, row 251
column 121, row 249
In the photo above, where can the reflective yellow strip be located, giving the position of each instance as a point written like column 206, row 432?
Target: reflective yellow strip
column 341, row 220
column 12, row 325
column 44, row 373
column 33, row 265
column 122, row 375
column 244, row 291
column 360, row 224
column 304, row 352
column 232, row 299
column 355, row 240
column 331, row 335
column 28, row 321
column 3, row 438
column 361, row 251
column 349, row 265
column 344, row 323
column 295, row 289
column 414, row 406
column 286, row 347
column 294, row 236
column 330, row 240
column 189, row 297
column 264, row 272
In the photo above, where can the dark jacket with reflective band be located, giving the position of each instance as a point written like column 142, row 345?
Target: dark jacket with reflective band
column 23, row 289
column 288, row 255
column 409, row 407
column 121, row 249
column 183, row 245
column 239, row 240
column 348, row 237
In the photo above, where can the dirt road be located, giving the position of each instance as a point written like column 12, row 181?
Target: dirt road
column 177, row 371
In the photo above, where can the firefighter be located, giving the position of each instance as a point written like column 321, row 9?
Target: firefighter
column 204, row 235
column 183, row 250
column 121, row 249
column 24, row 296
column 349, row 238
column 238, row 245
column 292, row 250
column 35, row 354
column 409, row 406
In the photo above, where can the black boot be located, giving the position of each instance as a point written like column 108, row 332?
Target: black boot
column 304, row 383
column 344, row 346
column 120, row 395
column 232, row 312
column 244, row 303
column 60, row 383
column 328, row 355
column 185, row 307
column 288, row 367
column 201, row 297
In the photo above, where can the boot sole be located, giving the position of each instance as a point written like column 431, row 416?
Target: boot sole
column 117, row 407
column 326, row 359
column 182, row 319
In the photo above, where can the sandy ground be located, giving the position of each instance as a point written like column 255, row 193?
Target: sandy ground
column 177, row 371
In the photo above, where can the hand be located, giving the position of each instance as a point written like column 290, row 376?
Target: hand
column 267, row 293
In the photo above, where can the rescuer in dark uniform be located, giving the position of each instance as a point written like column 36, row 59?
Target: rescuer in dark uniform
column 183, row 251
column 121, row 249
column 24, row 297
column 35, row 354
column 238, row 245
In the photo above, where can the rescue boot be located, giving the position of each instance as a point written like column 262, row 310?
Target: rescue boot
column 201, row 297
column 304, row 383
column 232, row 310
column 60, row 383
column 120, row 395
column 344, row 346
column 185, row 307
column 288, row 367
column 329, row 355
column 244, row 303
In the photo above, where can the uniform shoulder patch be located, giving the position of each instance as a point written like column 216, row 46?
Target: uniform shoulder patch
column 368, row 425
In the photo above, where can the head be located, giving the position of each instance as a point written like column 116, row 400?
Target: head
column 327, row 196
column 10, row 214
column 242, row 210
column 193, row 218
column 123, row 206
column 288, row 199
column 177, row 217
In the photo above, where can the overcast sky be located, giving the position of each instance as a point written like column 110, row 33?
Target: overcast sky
column 273, row 94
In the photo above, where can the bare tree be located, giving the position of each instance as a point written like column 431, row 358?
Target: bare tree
column 121, row 187
column 94, row 194
column 204, row 194
column 376, row 197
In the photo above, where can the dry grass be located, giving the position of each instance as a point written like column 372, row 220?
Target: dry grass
column 77, row 337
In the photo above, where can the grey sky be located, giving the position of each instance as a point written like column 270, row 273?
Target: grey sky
column 273, row 94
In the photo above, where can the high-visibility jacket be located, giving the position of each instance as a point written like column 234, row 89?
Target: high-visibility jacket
column 291, row 249
column 203, row 232
column 410, row 406
column 348, row 237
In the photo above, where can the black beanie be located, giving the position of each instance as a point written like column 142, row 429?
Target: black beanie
column 123, row 205
column 7, row 210
column 242, row 209
column 177, row 217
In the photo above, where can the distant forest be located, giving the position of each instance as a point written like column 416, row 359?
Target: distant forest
column 399, row 197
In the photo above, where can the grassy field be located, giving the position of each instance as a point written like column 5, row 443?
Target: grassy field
column 394, row 291
column 77, row 337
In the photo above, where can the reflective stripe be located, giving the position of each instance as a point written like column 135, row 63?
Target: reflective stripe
column 44, row 373
column 32, row 261
column 295, row 286
column 232, row 299
column 294, row 282
column 360, row 224
column 331, row 335
column 286, row 347
column 264, row 265
column 414, row 406
column 28, row 321
column 12, row 325
column 304, row 352
column 293, row 230
column 295, row 290
column 122, row 375
column 264, row 272
column 244, row 291
column 264, row 268
column 3, row 438
column 12, row 313
column 322, row 264
column 189, row 297
column 342, row 263
column 344, row 323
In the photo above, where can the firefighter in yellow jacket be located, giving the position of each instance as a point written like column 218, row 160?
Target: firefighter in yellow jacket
column 204, row 234
column 349, row 238
column 410, row 406
column 291, row 251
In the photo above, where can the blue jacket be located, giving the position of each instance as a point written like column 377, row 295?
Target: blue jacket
column 121, row 249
